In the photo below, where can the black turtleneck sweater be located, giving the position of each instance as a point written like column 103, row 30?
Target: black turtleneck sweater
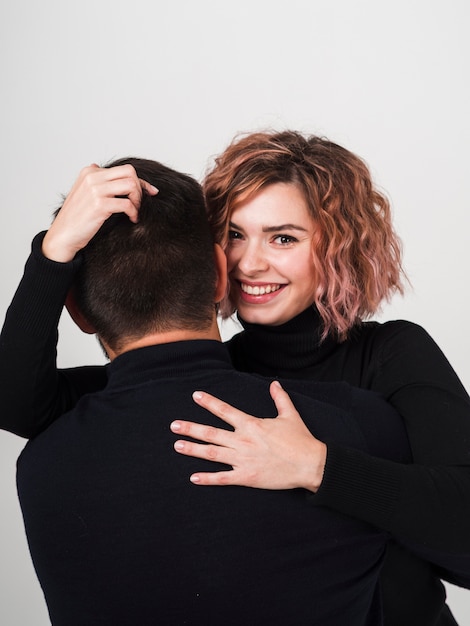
column 430, row 508
column 400, row 361
column 120, row 537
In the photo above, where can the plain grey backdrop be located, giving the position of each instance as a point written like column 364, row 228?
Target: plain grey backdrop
column 89, row 81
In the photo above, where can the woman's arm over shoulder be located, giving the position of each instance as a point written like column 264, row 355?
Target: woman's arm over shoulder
column 427, row 507
column 427, row 502
column 414, row 375
column 33, row 392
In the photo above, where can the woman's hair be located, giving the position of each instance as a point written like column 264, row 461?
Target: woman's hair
column 357, row 255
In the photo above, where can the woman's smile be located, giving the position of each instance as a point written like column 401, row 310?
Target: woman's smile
column 259, row 291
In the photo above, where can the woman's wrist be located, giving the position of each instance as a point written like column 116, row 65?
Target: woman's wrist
column 55, row 250
column 315, row 468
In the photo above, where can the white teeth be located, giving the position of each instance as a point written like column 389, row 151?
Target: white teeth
column 259, row 291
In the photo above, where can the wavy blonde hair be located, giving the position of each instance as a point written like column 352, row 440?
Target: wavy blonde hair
column 357, row 255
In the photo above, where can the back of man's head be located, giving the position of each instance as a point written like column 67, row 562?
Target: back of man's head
column 154, row 276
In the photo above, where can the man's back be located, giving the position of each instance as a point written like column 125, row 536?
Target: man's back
column 119, row 535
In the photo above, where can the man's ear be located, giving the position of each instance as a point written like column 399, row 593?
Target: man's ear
column 76, row 314
column 221, row 267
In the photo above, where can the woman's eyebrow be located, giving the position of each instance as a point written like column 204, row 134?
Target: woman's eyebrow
column 273, row 229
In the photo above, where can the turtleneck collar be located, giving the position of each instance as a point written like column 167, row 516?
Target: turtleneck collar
column 176, row 359
column 281, row 350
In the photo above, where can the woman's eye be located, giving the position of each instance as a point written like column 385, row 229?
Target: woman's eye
column 233, row 234
column 284, row 240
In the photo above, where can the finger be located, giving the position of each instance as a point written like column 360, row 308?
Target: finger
column 201, row 432
column 124, row 176
column 128, row 187
column 119, row 171
column 135, row 192
column 134, row 189
column 119, row 205
column 221, row 409
column 122, row 181
column 281, row 399
column 89, row 169
column 109, row 173
column 208, row 452
column 99, row 213
column 215, row 478
column 98, row 181
column 115, row 196
column 150, row 189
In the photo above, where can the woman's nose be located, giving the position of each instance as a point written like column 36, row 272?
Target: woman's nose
column 253, row 261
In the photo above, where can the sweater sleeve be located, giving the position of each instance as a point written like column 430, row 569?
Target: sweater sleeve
column 427, row 503
column 33, row 392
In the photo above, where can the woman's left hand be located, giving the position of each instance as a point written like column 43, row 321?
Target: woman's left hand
column 278, row 453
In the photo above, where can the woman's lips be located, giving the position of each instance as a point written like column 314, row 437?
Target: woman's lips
column 259, row 290
column 259, row 293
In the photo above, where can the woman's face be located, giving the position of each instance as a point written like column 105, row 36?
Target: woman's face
column 270, row 255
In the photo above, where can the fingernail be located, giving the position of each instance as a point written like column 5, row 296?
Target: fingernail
column 277, row 383
column 194, row 479
column 175, row 426
column 179, row 445
column 197, row 395
column 154, row 189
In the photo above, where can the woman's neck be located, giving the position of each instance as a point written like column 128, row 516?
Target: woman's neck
column 281, row 350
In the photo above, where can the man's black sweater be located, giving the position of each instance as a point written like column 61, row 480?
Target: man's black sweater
column 119, row 536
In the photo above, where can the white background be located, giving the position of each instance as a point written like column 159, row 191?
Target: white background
column 174, row 80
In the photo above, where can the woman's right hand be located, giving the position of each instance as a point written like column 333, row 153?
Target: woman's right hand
column 276, row 453
column 96, row 194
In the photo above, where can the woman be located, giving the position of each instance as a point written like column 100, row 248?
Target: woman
column 273, row 197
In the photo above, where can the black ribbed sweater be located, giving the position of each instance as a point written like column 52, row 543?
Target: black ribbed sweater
column 430, row 509
column 120, row 537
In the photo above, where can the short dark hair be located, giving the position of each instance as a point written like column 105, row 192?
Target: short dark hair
column 156, row 275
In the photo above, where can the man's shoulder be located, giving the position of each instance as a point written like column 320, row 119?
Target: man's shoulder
column 346, row 415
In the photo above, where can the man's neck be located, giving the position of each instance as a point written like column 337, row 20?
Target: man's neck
column 154, row 339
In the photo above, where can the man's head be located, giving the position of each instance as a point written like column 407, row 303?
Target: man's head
column 156, row 276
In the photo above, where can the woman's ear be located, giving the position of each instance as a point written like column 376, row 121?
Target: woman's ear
column 221, row 267
column 76, row 314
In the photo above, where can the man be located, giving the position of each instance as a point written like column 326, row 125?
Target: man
column 117, row 533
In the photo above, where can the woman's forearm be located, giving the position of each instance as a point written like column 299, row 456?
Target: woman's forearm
column 33, row 393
